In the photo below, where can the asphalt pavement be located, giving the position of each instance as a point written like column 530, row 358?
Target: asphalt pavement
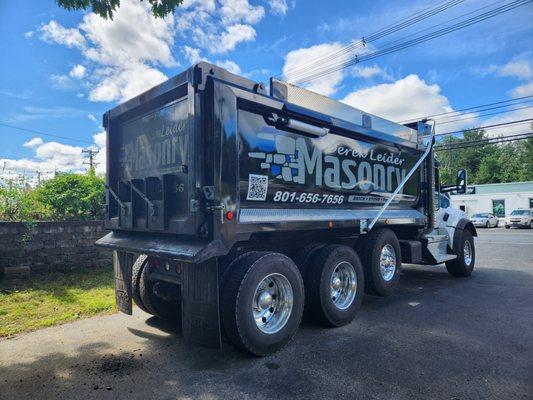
column 436, row 337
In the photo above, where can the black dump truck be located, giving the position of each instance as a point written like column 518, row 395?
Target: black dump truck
column 235, row 208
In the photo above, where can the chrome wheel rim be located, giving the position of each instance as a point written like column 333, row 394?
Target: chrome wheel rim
column 467, row 253
column 272, row 303
column 343, row 285
column 387, row 262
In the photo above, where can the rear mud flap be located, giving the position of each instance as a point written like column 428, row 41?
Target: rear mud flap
column 122, row 263
column 200, row 312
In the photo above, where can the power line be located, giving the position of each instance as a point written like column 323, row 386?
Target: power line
column 43, row 133
column 487, row 127
column 461, row 142
column 330, row 56
column 399, row 25
column 485, row 142
column 472, row 109
column 409, row 43
column 483, row 115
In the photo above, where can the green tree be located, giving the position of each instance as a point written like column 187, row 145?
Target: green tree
column 106, row 8
column 487, row 163
column 73, row 196
column 18, row 202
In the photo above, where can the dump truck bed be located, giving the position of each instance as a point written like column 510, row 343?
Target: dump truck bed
column 208, row 159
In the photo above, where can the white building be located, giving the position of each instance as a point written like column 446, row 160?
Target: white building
column 497, row 198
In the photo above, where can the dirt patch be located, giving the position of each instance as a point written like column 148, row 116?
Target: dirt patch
column 116, row 366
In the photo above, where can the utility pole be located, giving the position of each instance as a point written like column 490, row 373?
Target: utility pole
column 91, row 154
column 38, row 177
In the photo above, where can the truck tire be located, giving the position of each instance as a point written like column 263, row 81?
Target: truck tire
column 381, row 257
column 154, row 304
column 262, row 302
column 334, row 286
column 303, row 257
column 463, row 265
column 136, row 273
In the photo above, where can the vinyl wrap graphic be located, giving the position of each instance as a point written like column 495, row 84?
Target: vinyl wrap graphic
column 278, row 166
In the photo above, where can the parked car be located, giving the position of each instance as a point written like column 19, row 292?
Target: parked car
column 484, row 220
column 519, row 219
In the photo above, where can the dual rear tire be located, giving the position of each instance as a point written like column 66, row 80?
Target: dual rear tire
column 145, row 292
column 262, row 297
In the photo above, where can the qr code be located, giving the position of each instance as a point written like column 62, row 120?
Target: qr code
column 257, row 187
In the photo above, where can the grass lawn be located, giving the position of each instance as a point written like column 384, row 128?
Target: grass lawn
column 55, row 298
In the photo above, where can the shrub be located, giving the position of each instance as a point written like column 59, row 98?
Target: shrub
column 73, row 196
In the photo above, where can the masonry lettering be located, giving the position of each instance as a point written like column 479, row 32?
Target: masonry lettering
column 346, row 168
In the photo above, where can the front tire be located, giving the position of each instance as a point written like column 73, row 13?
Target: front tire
column 262, row 303
column 463, row 265
column 334, row 286
column 381, row 257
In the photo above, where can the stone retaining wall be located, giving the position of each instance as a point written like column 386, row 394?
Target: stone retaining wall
column 51, row 246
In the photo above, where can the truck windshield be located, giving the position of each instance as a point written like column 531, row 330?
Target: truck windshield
column 520, row 212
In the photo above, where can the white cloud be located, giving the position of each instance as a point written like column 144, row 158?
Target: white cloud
column 49, row 157
column 123, row 53
column 92, row 118
column 369, row 72
column 231, row 66
column 278, row 7
column 521, row 69
column 296, row 60
column 523, row 90
column 78, row 71
column 231, row 37
column 123, row 56
column 37, row 141
column 62, row 82
column 54, row 32
column 218, row 30
column 192, row 54
column 233, row 11
column 407, row 98
column 125, row 83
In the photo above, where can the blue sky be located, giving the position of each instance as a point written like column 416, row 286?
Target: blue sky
column 61, row 71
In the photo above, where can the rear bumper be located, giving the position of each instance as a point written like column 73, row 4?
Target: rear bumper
column 178, row 248
column 517, row 224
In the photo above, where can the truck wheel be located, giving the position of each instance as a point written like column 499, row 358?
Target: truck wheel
column 381, row 257
column 305, row 255
column 136, row 274
column 154, row 304
column 334, row 285
column 463, row 265
column 262, row 303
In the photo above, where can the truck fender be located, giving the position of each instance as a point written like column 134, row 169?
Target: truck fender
column 462, row 224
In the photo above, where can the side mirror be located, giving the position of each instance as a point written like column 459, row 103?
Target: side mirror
column 461, row 181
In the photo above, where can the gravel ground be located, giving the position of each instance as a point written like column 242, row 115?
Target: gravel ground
column 436, row 337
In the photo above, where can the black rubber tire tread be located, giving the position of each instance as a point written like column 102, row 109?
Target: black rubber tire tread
column 457, row 267
column 318, row 305
column 137, row 268
column 155, row 305
column 369, row 250
column 303, row 257
column 233, row 326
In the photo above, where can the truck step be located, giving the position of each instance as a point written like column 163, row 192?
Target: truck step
column 441, row 258
column 436, row 238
